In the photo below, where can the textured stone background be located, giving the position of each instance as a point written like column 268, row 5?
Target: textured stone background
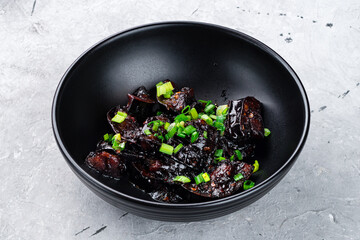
column 40, row 198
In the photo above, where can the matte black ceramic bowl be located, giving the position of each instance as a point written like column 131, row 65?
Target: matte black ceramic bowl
column 219, row 63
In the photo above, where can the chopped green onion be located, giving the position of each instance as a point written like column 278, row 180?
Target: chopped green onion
column 118, row 118
column 205, row 134
column 158, row 113
column 194, row 114
column 171, row 133
column 117, row 137
column 248, row 184
column 219, row 159
column 171, row 126
column 221, row 118
column 166, row 148
column 186, row 109
column 206, row 102
column 238, row 177
column 182, row 179
column 122, row 145
column 155, row 126
column 166, row 126
column 106, row 137
column 267, row 132
column 220, row 109
column 213, row 116
column 189, row 129
column 168, row 94
column 219, row 153
column 178, row 147
column 225, row 111
column 232, row 158
column 182, row 135
column 161, row 138
column 199, row 179
column 209, row 108
column 181, row 117
column 207, row 119
column 238, row 154
column 206, row 177
column 159, row 84
column 122, row 114
column 181, row 124
column 115, row 145
column 194, row 137
column 220, row 126
column 147, row 132
column 256, row 166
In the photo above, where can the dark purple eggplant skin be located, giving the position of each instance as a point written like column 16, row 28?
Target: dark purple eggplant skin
column 222, row 182
column 106, row 163
column 179, row 100
column 244, row 122
column 140, row 104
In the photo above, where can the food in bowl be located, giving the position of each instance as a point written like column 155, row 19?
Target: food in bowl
column 179, row 149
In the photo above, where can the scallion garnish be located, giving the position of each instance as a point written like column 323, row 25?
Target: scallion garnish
column 182, row 117
column 182, row 135
column 206, row 177
column 168, row 94
column 232, row 158
column 194, row 114
column 220, row 109
column 186, row 109
column 220, row 118
column 209, row 108
column 158, row 113
column 238, row 177
column 267, row 132
column 199, row 179
column 189, row 130
column 219, row 159
column 119, row 117
column 205, row 134
column 122, row 146
column 164, row 89
column 166, row 126
column 238, row 154
column 206, row 102
column 220, row 126
column 207, row 119
column 248, row 184
column 182, row 179
column 218, row 153
column 194, row 137
column 117, row 137
column 171, row 126
column 106, row 137
column 213, row 116
column 147, row 132
column 256, row 166
column 155, row 126
column 178, row 147
column 171, row 133
column 166, row 148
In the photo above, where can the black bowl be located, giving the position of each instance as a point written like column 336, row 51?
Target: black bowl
column 219, row 63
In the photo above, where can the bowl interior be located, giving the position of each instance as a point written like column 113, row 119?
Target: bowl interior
column 219, row 64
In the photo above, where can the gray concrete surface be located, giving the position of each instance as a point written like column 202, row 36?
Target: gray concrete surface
column 40, row 198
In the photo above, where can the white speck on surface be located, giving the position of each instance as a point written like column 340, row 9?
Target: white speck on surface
column 40, row 197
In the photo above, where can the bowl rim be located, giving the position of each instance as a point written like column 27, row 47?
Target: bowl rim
column 257, row 188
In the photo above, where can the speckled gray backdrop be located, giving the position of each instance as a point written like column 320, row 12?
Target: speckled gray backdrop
column 40, row 198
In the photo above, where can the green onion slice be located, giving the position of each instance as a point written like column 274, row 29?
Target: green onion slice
column 206, row 102
column 106, row 137
column 220, row 118
column 206, row 177
column 220, row 109
column 182, row 135
column 194, row 114
column 166, row 126
column 219, row 159
column 219, row 153
column 248, row 184
column 178, row 147
column 182, row 117
column 186, row 109
column 209, row 108
column 267, row 132
column 238, row 154
column 182, row 179
column 199, row 179
column 189, row 129
column 205, row 134
column 194, row 137
column 232, row 158
column 118, row 118
column 238, row 177
column 117, row 137
column 213, row 116
column 147, row 132
column 166, row 148
column 207, row 119
column 171, row 133
column 122, row 145
column 256, row 166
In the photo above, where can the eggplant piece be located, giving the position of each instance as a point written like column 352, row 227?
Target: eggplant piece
column 247, row 149
column 222, row 182
column 106, row 163
column 140, row 104
column 128, row 129
column 244, row 121
column 179, row 100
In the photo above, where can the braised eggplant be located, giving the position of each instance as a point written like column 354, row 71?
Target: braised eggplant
column 178, row 149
